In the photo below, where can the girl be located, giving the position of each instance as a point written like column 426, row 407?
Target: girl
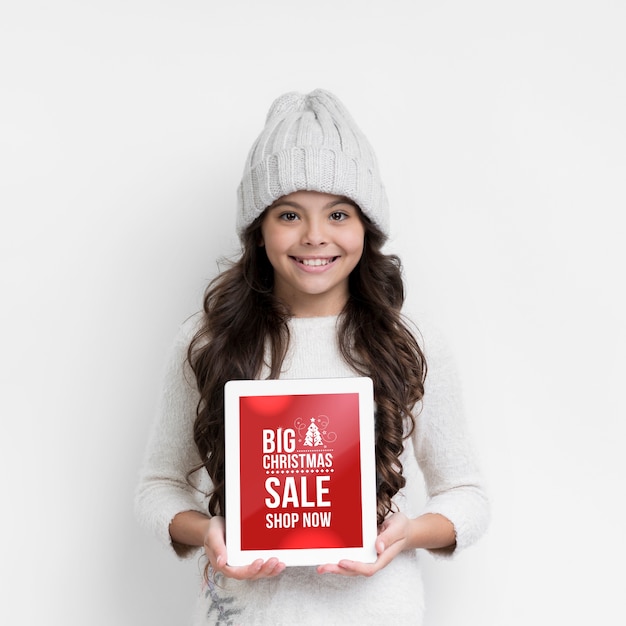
column 313, row 295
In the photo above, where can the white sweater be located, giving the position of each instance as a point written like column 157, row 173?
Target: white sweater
column 441, row 477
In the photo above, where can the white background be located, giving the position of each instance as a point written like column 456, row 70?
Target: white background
column 500, row 131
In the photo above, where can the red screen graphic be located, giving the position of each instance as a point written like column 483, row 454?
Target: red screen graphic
column 300, row 472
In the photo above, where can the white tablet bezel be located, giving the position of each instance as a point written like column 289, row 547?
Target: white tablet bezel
column 233, row 390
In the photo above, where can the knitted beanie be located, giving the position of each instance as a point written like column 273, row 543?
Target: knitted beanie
column 310, row 142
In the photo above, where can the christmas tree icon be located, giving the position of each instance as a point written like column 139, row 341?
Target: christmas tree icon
column 313, row 437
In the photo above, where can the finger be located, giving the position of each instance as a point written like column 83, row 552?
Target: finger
column 270, row 568
column 391, row 532
column 244, row 572
column 257, row 569
column 349, row 568
column 335, row 568
column 219, row 560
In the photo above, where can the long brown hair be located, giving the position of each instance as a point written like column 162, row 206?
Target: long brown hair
column 245, row 326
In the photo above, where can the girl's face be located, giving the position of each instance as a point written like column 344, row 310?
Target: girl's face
column 313, row 241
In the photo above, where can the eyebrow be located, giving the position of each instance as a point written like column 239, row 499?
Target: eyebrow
column 330, row 205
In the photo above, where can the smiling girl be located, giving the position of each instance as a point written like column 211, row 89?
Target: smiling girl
column 313, row 294
column 313, row 241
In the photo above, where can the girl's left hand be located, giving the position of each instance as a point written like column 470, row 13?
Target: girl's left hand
column 393, row 538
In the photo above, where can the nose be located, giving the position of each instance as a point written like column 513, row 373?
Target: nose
column 314, row 233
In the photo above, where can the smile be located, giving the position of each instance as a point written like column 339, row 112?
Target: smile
column 315, row 262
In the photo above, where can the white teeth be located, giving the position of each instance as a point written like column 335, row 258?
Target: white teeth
column 315, row 262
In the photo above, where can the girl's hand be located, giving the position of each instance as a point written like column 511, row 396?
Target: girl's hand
column 398, row 533
column 215, row 549
column 392, row 538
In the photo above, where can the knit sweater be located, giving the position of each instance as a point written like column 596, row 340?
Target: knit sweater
column 438, row 463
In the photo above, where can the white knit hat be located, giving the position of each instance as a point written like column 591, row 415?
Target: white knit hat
column 310, row 142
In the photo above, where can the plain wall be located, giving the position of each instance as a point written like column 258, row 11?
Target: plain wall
column 500, row 132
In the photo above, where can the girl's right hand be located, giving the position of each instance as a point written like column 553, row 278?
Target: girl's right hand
column 215, row 549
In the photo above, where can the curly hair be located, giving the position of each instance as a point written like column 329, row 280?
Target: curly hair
column 246, row 327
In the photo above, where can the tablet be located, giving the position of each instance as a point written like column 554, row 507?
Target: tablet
column 300, row 470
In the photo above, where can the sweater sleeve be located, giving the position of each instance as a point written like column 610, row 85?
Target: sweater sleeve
column 444, row 451
column 164, row 489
